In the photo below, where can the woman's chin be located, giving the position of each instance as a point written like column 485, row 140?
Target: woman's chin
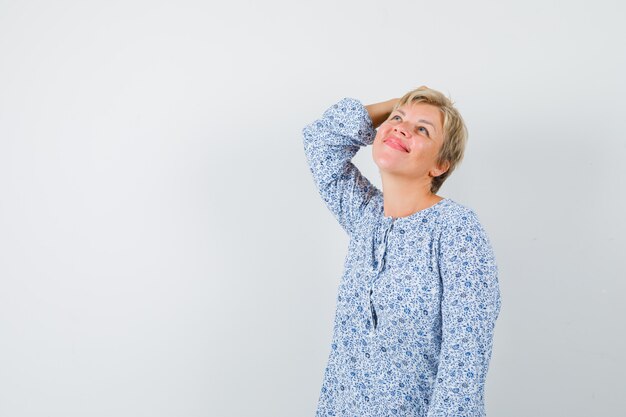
column 389, row 167
column 387, row 162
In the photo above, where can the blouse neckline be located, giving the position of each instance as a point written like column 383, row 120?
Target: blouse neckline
column 417, row 214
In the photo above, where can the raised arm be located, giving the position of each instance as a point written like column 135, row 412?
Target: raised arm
column 330, row 143
column 469, row 309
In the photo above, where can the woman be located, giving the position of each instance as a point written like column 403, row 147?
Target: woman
column 419, row 296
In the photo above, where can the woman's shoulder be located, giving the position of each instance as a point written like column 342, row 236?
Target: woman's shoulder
column 456, row 216
column 460, row 225
column 454, row 210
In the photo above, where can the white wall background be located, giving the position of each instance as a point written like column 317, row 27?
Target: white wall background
column 164, row 251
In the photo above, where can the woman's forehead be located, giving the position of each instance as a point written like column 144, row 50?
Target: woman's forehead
column 424, row 112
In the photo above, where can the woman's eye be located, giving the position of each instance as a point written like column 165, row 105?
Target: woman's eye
column 395, row 117
column 424, row 130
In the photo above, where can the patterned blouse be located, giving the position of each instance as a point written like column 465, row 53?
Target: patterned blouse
column 419, row 295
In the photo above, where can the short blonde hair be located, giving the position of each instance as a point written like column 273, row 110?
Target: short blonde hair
column 454, row 129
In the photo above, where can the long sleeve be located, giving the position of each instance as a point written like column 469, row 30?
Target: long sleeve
column 330, row 143
column 470, row 306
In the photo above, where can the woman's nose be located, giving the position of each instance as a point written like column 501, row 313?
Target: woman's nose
column 400, row 128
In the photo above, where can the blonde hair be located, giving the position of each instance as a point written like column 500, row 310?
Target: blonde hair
column 454, row 129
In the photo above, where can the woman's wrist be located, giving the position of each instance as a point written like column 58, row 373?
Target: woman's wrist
column 379, row 112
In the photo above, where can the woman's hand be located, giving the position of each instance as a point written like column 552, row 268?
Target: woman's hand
column 379, row 112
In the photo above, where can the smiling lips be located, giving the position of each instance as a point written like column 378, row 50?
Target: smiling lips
column 396, row 144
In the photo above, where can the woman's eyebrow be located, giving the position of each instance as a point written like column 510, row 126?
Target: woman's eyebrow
column 420, row 120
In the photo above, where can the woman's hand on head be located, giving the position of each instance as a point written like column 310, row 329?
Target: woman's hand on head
column 379, row 112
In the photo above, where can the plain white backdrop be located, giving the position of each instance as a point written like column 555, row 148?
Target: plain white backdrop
column 164, row 251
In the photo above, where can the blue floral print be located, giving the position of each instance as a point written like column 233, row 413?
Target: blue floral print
column 419, row 296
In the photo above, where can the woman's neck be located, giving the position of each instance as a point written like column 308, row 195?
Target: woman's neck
column 402, row 199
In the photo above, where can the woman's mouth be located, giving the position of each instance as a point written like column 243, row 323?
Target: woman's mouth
column 394, row 143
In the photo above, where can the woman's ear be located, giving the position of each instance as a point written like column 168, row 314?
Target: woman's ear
column 440, row 169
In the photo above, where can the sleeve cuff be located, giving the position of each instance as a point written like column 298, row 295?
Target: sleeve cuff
column 350, row 118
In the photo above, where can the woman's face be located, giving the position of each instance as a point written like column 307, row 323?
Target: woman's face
column 408, row 142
